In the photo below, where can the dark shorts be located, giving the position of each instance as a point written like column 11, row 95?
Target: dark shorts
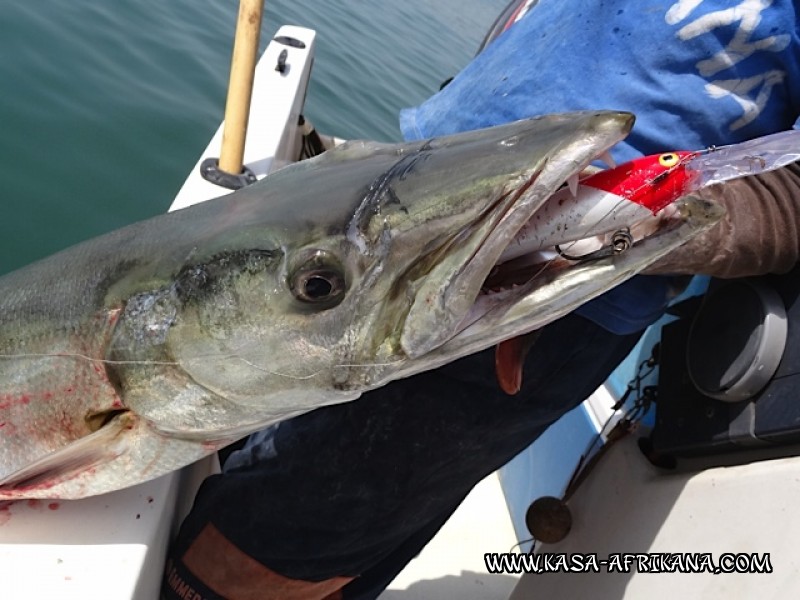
column 349, row 494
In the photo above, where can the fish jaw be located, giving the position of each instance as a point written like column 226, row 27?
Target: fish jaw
column 446, row 295
column 560, row 286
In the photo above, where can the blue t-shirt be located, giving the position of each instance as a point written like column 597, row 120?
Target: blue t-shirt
column 696, row 73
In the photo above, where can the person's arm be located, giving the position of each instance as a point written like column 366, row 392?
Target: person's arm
column 760, row 233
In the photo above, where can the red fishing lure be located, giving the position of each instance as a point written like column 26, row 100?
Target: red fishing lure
column 651, row 181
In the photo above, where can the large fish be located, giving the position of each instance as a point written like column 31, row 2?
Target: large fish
column 138, row 352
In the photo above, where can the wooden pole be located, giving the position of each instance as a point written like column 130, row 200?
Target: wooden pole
column 240, row 86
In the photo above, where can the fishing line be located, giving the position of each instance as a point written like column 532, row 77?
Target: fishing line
column 166, row 363
column 85, row 357
column 271, row 372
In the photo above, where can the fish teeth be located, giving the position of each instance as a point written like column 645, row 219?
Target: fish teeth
column 572, row 183
column 608, row 159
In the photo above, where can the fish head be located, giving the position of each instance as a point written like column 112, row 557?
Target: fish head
column 339, row 274
column 330, row 276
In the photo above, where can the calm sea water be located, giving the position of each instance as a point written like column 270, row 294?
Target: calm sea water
column 106, row 105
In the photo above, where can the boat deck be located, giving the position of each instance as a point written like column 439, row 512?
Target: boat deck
column 451, row 565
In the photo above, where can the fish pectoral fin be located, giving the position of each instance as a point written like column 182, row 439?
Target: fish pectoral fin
column 102, row 445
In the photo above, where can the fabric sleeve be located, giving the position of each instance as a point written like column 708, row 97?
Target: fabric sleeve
column 760, row 233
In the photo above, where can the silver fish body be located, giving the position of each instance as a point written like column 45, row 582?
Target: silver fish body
column 138, row 352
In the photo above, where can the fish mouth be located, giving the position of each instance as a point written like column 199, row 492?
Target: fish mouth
column 517, row 298
column 469, row 267
column 487, row 299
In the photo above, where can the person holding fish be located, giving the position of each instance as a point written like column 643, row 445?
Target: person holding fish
column 334, row 503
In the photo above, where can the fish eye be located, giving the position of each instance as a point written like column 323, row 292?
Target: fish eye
column 318, row 280
column 668, row 160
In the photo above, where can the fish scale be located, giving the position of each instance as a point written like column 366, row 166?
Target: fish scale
column 57, row 365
